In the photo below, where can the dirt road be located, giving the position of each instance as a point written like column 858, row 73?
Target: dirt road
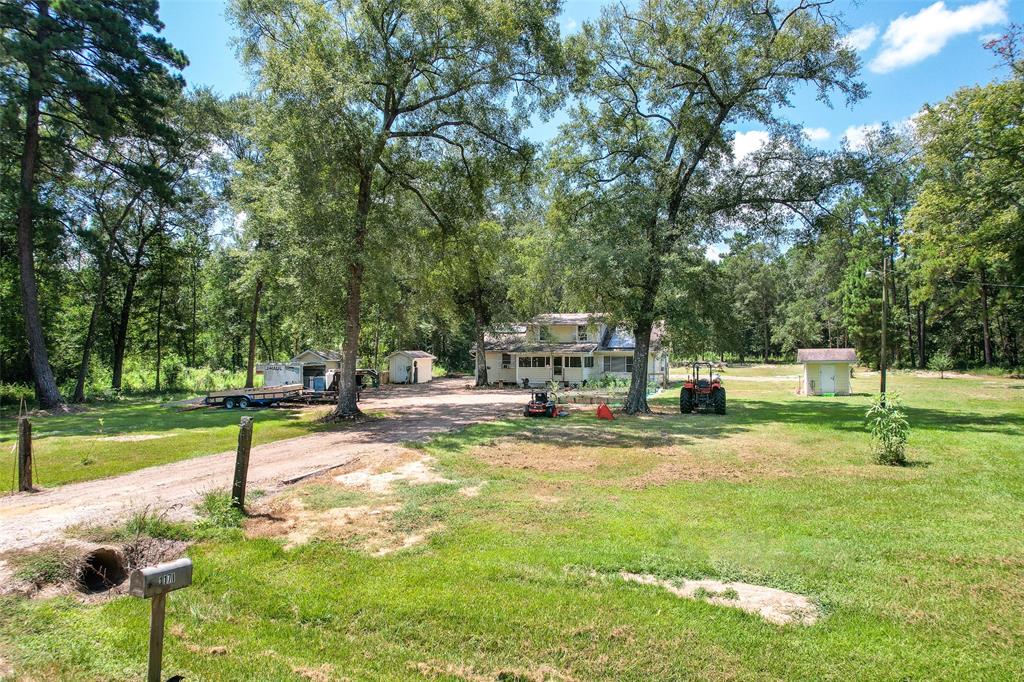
column 416, row 413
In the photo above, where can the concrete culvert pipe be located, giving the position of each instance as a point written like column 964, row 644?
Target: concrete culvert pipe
column 101, row 569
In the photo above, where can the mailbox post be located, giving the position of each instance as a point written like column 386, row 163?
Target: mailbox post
column 154, row 583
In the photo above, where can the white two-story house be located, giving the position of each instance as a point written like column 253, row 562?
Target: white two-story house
column 570, row 348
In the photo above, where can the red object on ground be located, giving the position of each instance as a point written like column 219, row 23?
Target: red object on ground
column 603, row 412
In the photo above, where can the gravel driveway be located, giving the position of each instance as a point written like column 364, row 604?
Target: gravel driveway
column 416, row 414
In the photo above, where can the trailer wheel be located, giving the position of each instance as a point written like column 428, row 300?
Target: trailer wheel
column 229, row 403
column 243, row 402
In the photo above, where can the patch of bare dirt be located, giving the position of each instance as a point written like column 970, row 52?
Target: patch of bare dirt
column 288, row 519
column 437, row 669
column 518, row 454
column 775, row 606
column 379, row 479
column 134, row 437
column 369, row 526
column 324, row 673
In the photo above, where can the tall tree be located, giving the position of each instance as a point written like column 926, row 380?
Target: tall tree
column 967, row 226
column 646, row 154
column 398, row 80
column 73, row 69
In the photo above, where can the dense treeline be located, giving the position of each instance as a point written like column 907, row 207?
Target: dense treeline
column 377, row 191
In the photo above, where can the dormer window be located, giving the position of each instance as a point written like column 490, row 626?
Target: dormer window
column 581, row 333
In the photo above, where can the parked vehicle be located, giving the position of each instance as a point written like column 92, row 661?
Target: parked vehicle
column 702, row 394
column 541, row 405
column 251, row 397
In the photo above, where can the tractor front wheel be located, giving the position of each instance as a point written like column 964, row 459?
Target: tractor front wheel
column 718, row 400
column 685, row 401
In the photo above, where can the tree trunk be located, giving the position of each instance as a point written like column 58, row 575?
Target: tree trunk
column 159, row 324
column 985, row 328
column 195, row 296
column 636, row 399
column 481, row 350
column 250, row 367
column 121, row 331
column 94, row 320
column 922, row 352
column 42, row 374
column 347, row 389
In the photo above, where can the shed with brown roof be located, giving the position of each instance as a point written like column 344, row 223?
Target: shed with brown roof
column 826, row 370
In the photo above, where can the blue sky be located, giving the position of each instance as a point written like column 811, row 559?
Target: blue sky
column 914, row 52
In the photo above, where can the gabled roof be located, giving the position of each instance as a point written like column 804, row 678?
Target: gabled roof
column 567, row 318
column 511, row 338
column 326, row 355
column 414, row 354
column 826, row 355
column 521, row 346
column 621, row 338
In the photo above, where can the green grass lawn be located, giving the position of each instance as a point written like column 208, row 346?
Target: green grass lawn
column 92, row 443
column 918, row 569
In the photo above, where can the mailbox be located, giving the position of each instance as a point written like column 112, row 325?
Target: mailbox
column 160, row 579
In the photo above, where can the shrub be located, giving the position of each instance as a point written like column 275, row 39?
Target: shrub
column 889, row 429
column 940, row 362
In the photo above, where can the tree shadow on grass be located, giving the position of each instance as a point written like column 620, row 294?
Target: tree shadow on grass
column 667, row 428
column 144, row 416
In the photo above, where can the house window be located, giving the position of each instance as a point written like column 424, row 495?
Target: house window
column 540, row 361
column 588, row 361
column 506, row 361
column 574, row 361
column 618, row 363
column 544, row 334
column 524, row 361
column 581, row 333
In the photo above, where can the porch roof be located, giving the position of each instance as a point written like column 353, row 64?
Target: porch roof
column 520, row 346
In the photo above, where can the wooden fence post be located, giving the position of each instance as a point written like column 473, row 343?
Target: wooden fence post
column 24, row 454
column 242, row 463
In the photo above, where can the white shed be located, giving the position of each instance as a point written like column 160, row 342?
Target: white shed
column 826, row 370
column 411, row 366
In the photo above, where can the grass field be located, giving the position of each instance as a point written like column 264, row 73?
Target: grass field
column 916, row 569
column 121, row 436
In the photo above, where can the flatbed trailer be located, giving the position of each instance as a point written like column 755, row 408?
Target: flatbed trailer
column 248, row 397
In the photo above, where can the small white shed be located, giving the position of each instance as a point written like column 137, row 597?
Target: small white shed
column 411, row 366
column 826, row 370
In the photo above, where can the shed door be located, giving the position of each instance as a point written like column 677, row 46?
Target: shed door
column 828, row 378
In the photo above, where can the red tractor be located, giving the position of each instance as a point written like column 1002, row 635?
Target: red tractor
column 702, row 394
column 541, row 406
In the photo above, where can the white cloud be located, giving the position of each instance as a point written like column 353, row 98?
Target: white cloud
column 746, row 143
column 856, row 136
column 569, row 25
column 817, row 134
column 860, row 39
column 989, row 37
column 714, row 252
column 910, row 39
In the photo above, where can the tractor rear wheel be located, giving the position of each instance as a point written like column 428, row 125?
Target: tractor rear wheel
column 718, row 400
column 685, row 401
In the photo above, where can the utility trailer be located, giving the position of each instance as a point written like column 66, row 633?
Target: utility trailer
column 248, row 397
